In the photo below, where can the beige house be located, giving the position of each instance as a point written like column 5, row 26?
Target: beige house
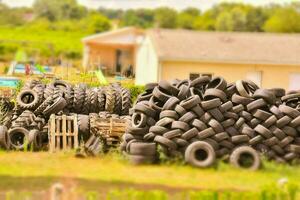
column 270, row 60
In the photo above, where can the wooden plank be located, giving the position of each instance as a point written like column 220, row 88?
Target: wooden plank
column 58, row 133
column 64, row 131
column 52, row 133
column 76, row 143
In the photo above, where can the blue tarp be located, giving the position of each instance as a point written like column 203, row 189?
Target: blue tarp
column 8, row 82
column 20, row 69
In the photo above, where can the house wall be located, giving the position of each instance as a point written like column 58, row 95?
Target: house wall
column 146, row 62
column 271, row 75
column 105, row 56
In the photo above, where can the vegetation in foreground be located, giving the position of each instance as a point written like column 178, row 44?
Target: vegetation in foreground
column 28, row 171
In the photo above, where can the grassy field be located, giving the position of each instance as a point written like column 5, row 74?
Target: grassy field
column 42, row 41
column 28, row 171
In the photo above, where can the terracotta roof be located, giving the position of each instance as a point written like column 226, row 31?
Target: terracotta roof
column 228, row 47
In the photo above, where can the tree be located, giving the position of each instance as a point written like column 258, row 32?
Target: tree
column 165, row 17
column 187, row 17
column 256, row 17
column 59, row 9
column 285, row 19
column 96, row 23
column 141, row 18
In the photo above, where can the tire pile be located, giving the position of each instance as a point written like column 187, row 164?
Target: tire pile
column 37, row 101
column 207, row 119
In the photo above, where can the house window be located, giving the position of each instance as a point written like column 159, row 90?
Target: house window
column 193, row 76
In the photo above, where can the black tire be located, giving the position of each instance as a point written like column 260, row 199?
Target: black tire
column 218, row 83
column 118, row 101
column 43, row 106
column 265, row 94
column 139, row 120
column 142, row 148
column 35, row 139
column 83, row 123
column 245, row 157
column 165, row 142
column 171, row 103
column 101, row 99
column 4, row 141
column 141, row 159
column 93, row 100
column 79, row 97
column 110, row 94
column 210, row 104
column 17, row 137
column 58, row 105
column 126, row 101
column 200, row 154
column 28, row 99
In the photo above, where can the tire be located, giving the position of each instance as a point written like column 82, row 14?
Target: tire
column 206, row 133
column 126, row 101
column 118, row 101
column 165, row 142
column 171, row 103
column 200, row 125
column 35, row 139
column 190, row 134
column 141, row 159
column 83, row 123
column 17, row 137
column 168, row 87
column 210, row 104
column 237, row 99
column 93, row 101
column 58, row 105
column 169, row 113
column 158, row 130
column 245, row 157
column 31, row 103
column 141, row 148
column 265, row 94
column 242, row 88
column 190, row 102
column 173, row 134
column 43, row 106
column 180, row 125
column 139, row 120
column 160, row 95
column 259, row 103
column 79, row 97
column 4, row 141
column 215, row 93
column 217, row 83
column 200, row 154
column 110, row 94
column 101, row 99
column 187, row 117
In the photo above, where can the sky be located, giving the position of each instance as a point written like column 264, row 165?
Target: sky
column 127, row 4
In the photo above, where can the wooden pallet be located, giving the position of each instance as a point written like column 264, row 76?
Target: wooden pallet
column 63, row 133
column 109, row 127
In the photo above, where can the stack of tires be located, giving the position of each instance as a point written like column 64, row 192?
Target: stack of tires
column 37, row 101
column 207, row 119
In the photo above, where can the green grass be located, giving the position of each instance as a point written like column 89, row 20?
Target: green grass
column 114, row 169
column 44, row 42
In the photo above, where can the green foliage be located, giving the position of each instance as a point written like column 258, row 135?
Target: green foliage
column 285, row 19
column 135, row 90
column 95, row 23
column 165, row 17
column 142, row 18
column 59, row 9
